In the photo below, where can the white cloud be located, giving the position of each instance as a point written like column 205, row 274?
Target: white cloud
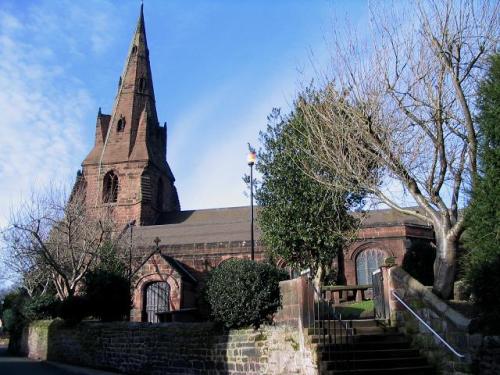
column 43, row 104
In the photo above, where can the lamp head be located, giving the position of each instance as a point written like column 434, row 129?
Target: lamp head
column 251, row 158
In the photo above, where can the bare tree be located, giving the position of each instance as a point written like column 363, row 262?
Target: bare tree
column 53, row 238
column 400, row 106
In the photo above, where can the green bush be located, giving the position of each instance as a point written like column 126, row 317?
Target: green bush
column 73, row 309
column 108, row 295
column 20, row 309
column 39, row 307
column 12, row 315
column 10, row 320
column 242, row 292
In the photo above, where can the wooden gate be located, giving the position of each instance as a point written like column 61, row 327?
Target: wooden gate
column 157, row 300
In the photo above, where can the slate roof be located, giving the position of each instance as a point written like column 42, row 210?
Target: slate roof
column 233, row 224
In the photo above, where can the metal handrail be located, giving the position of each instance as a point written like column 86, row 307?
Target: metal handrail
column 323, row 313
column 427, row 325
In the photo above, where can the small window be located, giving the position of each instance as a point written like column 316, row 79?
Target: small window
column 110, row 188
column 134, row 50
column 120, row 125
column 142, row 84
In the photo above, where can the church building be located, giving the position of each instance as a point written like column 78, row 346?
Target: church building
column 127, row 171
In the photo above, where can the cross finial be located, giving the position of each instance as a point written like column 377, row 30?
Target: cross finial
column 157, row 242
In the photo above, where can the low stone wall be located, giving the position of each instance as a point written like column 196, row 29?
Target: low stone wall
column 481, row 352
column 170, row 348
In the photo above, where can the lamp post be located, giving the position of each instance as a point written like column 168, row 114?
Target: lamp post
column 252, row 156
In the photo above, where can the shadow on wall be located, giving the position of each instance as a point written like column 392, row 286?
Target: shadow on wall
column 418, row 261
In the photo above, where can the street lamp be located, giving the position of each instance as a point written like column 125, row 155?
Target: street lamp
column 252, row 156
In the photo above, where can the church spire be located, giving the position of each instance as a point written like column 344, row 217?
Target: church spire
column 135, row 91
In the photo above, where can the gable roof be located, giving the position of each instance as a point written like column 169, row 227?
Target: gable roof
column 179, row 267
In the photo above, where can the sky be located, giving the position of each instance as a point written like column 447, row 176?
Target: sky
column 219, row 67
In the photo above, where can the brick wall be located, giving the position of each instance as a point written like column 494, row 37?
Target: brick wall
column 171, row 348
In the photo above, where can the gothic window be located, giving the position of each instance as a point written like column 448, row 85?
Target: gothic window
column 146, row 188
column 367, row 262
column 159, row 195
column 121, row 124
column 142, row 84
column 156, row 296
column 110, row 188
column 134, row 50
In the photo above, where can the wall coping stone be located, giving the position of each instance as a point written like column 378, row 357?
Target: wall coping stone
column 415, row 287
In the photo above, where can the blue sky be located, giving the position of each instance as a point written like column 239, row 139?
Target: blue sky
column 219, row 67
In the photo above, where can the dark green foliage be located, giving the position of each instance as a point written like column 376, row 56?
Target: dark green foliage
column 243, row 292
column 419, row 260
column 482, row 263
column 110, row 262
column 73, row 309
column 12, row 316
column 20, row 309
column 108, row 295
column 303, row 221
column 107, row 289
column 40, row 307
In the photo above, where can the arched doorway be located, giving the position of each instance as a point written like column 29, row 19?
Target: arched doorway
column 367, row 262
column 156, row 300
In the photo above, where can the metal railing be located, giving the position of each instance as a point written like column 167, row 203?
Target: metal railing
column 427, row 325
column 334, row 336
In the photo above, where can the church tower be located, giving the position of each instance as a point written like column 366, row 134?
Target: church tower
column 127, row 168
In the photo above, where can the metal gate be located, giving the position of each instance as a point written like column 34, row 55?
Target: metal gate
column 157, row 300
column 381, row 310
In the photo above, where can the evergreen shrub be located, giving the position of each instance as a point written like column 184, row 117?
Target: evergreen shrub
column 108, row 295
column 242, row 292
column 73, row 309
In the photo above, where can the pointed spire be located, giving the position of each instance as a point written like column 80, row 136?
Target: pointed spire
column 135, row 91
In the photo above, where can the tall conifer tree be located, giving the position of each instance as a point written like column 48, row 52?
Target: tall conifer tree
column 483, row 215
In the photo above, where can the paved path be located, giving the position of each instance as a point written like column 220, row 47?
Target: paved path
column 10, row 365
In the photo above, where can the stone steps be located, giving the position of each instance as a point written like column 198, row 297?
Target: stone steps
column 372, row 349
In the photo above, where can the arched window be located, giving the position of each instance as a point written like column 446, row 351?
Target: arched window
column 110, row 188
column 120, row 125
column 156, row 300
column 134, row 49
column 367, row 262
column 159, row 195
column 142, row 84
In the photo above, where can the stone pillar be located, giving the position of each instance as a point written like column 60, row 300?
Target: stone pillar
column 391, row 304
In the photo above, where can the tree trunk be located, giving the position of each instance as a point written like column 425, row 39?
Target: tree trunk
column 445, row 264
column 341, row 279
column 319, row 276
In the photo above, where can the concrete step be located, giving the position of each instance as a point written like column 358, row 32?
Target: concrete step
column 352, row 323
column 356, row 331
column 369, row 354
column 417, row 370
column 378, row 363
column 374, row 338
column 385, row 345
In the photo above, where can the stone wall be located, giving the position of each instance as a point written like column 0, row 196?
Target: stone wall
column 481, row 352
column 170, row 348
